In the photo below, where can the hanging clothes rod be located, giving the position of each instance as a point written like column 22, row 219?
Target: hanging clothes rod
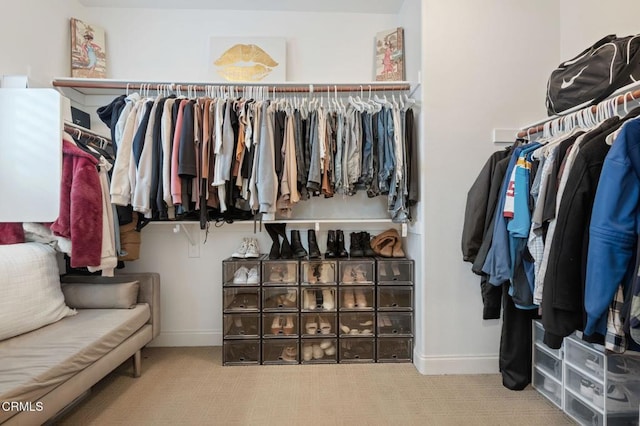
column 278, row 88
column 621, row 99
column 74, row 129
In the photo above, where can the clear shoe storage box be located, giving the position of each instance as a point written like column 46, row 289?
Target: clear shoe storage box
column 358, row 298
column 318, row 298
column 319, row 350
column 280, row 299
column 241, row 352
column 357, row 350
column 318, row 272
column 280, row 351
column 314, row 324
column 356, row 271
column 394, row 271
column 279, row 272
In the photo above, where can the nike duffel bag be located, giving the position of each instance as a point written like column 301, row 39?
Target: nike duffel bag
column 594, row 74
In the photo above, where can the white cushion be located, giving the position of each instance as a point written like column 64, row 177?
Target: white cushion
column 30, row 295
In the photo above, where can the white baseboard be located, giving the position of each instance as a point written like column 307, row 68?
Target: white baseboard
column 438, row 365
column 188, row 338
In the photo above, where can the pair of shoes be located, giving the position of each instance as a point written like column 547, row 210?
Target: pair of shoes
column 364, row 328
column 279, row 274
column 244, row 301
column 360, row 245
column 320, row 272
column 335, row 245
column 354, row 299
column 289, row 353
column 619, row 398
column 318, row 350
column 277, row 231
column 283, row 300
column 283, row 325
column 316, row 298
column 248, row 249
column 354, row 274
column 243, row 275
column 299, row 251
column 317, row 325
column 623, row 368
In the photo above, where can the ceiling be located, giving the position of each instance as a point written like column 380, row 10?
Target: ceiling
column 350, row 6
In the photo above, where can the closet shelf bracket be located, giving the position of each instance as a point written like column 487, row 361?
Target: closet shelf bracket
column 178, row 227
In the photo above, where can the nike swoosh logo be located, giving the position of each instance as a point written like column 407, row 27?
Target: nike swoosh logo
column 566, row 84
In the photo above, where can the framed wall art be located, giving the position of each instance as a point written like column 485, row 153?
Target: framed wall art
column 390, row 55
column 88, row 52
column 248, row 59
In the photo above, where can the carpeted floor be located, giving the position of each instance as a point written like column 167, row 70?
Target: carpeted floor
column 189, row 386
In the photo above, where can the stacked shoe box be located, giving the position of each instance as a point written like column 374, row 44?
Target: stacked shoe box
column 591, row 387
column 241, row 311
column 356, row 297
column 280, row 307
column 547, row 370
column 394, row 310
column 600, row 389
column 318, row 312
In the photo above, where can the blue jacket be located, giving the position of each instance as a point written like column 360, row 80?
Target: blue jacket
column 614, row 227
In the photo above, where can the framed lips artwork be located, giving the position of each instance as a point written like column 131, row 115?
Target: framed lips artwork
column 248, row 59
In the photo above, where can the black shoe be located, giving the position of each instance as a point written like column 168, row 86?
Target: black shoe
column 355, row 249
column 274, row 253
column 365, row 241
column 341, row 252
column 314, row 251
column 331, row 245
column 285, row 248
column 296, row 245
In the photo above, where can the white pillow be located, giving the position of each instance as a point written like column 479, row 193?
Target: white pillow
column 30, row 295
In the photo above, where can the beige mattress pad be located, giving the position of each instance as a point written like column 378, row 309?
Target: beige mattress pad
column 34, row 363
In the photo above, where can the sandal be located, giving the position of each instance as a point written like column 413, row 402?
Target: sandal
column 289, row 354
column 311, row 327
column 276, row 327
column 325, row 327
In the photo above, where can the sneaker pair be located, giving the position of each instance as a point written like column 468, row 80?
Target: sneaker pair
column 248, row 249
column 619, row 398
column 243, row 275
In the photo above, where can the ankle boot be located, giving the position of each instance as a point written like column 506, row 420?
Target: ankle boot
column 340, row 250
column 274, row 253
column 314, row 250
column 296, row 245
column 365, row 240
column 285, row 249
column 331, row 245
column 355, row 250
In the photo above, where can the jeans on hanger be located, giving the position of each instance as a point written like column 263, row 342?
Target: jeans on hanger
column 352, row 150
column 367, row 149
column 315, row 177
column 339, row 182
column 373, row 190
column 299, row 141
column 387, row 164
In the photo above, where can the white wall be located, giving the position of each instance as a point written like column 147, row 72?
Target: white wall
column 584, row 22
column 485, row 65
column 35, row 38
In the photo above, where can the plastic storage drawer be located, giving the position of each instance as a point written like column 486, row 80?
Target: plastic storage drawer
column 589, row 388
column 581, row 411
column 355, row 272
column 280, row 272
column 313, row 324
column 356, row 298
column 547, row 386
column 395, row 324
column 318, row 272
column 241, row 352
column 547, row 363
column 241, row 272
column 356, row 350
column 392, row 271
column 392, row 298
column 241, row 326
column 356, row 324
column 395, row 349
column 280, row 299
column 538, row 337
column 280, row 351
column 245, row 299
column 280, row 325
column 318, row 298
column 319, row 351
column 584, row 358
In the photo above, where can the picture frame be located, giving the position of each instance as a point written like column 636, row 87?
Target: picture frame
column 88, row 50
column 389, row 57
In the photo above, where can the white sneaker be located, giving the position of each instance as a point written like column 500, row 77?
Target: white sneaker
column 252, row 250
column 240, row 276
column 252, row 276
column 242, row 250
